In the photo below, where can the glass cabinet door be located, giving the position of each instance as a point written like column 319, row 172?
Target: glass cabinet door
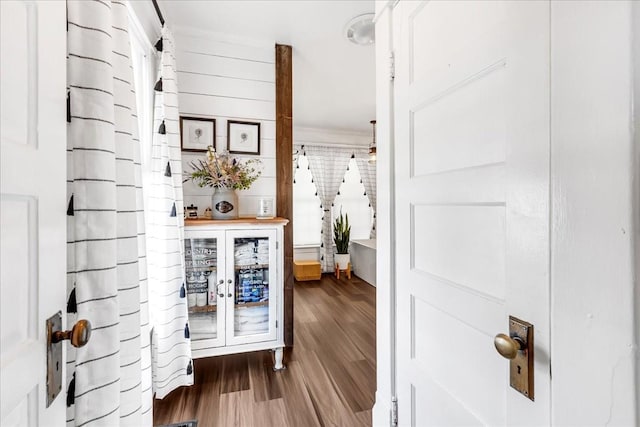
column 204, row 274
column 251, row 271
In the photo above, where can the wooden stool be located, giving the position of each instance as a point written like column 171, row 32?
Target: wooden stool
column 346, row 270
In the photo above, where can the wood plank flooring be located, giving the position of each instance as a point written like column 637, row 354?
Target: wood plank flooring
column 330, row 378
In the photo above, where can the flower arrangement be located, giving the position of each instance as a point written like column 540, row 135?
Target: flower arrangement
column 224, row 171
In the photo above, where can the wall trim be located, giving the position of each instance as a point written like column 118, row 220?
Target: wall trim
column 328, row 136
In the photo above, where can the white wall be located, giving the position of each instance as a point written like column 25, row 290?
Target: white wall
column 306, row 253
column 228, row 78
column 319, row 136
column 594, row 353
column 147, row 18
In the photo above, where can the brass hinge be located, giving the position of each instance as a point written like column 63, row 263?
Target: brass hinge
column 394, row 411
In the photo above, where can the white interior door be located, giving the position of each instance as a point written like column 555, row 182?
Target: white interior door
column 472, row 188
column 33, row 203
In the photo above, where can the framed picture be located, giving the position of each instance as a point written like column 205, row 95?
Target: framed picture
column 243, row 137
column 196, row 133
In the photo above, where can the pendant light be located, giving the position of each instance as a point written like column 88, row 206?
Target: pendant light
column 372, row 147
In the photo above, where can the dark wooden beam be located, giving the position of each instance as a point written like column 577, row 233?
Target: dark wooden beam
column 284, row 173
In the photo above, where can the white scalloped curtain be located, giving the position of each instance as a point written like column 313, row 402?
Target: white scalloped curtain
column 108, row 380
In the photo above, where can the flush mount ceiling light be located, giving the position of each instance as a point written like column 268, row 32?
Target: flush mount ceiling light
column 361, row 30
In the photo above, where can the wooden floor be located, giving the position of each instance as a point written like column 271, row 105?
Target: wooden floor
column 330, row 378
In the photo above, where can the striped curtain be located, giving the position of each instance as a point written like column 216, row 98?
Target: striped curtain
column 368, row 175
column 108, row 380
column 171, row 346
column 328, row 166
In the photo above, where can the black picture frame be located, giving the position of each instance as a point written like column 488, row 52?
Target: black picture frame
column 243, row 137
column 190, row 140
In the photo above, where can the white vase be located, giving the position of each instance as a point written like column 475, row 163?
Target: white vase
column 224, row 204
column 342, row 260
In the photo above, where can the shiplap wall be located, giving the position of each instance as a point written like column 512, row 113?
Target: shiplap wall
column 228, row 79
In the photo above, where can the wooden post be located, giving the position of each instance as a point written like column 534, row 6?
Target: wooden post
column 284, row 173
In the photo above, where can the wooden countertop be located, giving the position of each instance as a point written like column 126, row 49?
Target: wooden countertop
column 239, row 221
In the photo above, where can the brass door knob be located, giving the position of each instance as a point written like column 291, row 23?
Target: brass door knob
column 508, row 347
column 78, row 335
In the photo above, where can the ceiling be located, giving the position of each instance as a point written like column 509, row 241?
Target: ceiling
column 333, row 79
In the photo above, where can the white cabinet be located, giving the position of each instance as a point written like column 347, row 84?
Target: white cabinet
column 234, row 278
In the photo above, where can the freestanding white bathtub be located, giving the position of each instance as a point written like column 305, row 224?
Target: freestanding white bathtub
column 363, row 259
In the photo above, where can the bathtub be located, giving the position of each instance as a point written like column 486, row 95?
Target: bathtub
column 363, row 259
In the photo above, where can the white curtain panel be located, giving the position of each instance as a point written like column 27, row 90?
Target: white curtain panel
column 108, row 380
column 368, row 175
column 297, row 152
column 328, row 166
column 170, row 343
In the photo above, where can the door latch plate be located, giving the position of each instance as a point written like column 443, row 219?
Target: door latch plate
column 521, row 367
column 54, row 358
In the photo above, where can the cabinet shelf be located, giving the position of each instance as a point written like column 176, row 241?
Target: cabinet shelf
column 252, row 267
column 203, row 309
column 252, row 304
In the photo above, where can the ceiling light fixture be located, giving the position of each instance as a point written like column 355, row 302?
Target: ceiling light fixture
column 361, row 30
column 372, row 147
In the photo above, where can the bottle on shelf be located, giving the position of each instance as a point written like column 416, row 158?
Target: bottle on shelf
column 201, row 296
column 191, row 292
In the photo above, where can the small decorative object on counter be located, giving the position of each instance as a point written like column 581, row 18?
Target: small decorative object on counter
column 192, row 211
column 226, row 174
column 265, row 208
column 207, row 213
column 225, row 203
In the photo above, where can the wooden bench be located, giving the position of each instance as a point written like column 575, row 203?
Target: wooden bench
column 307, row 270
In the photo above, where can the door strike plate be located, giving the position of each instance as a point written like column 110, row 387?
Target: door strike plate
column 54, row 358
column 521, row 366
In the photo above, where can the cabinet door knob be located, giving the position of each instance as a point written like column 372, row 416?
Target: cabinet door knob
column 221, row 282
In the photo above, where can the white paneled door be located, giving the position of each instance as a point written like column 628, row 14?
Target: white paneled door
column 33, row 203
column 472, row 190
